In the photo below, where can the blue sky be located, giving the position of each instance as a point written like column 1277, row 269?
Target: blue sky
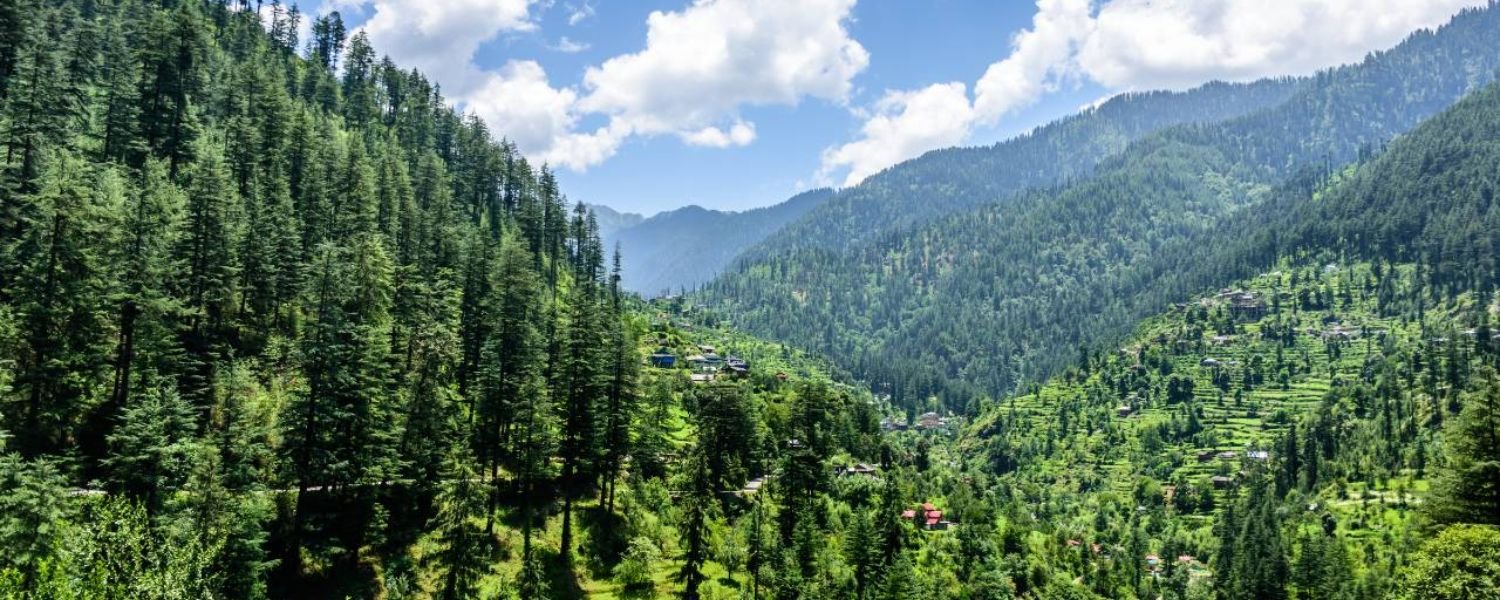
column 650, row 105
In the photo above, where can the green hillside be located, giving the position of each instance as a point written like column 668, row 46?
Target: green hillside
column 279, row 321
column 1330, row 408
column 972, row 304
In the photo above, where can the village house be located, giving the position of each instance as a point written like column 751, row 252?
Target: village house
column 738, row 367
column 931, row 420
column 1222, row 482
column 1246, row 306
column 1124, row 411
column 662, row 359
column 858, row 470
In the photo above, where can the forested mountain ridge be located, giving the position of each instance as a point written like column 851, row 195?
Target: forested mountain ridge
column 1301, row 432
column 681, row 249
column 971, row 304
column 278, row 321
column 954, row 179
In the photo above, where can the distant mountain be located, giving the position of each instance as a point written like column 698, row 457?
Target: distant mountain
column 689, row 246
column 611, row 220
column 980, row 301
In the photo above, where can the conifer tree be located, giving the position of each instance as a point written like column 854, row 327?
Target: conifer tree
column 151, row 450
column 61, row 299
column 1468, row 491
column 698, row 512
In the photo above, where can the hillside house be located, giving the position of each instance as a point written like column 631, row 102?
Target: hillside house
column 1246, row 306
column 889, row 424
column 1124, row 411
column 662, row 359
column 931, row 420
column 932, row 518
column 858, row 470
column 1221, row 482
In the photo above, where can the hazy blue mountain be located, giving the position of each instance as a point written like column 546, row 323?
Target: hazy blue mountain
column 611, row 220
column 686, row 247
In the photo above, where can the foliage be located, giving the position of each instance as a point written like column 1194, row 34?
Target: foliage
column 1461, row 562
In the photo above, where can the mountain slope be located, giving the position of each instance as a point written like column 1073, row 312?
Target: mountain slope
column 1226, row 436
column 612, row 221
column 689, row 246
column 954, row 179
column 976, row 302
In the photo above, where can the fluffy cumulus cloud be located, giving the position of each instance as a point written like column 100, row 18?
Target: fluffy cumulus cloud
column 441, row 38
column 698, row 68
column 1141, row 44
column 903, row 125
column 702, row 64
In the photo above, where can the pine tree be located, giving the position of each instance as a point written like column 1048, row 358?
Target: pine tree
column 513, row 411
column 583, row 387
column 32, row 502
column 151, row 450
column 698, row 513
column 149, row 313
column 38, row 113
column 209, row 285
column 61, row 299
column 621, row 403
column 463, row 560
column 1468, row 490
column 171, row 62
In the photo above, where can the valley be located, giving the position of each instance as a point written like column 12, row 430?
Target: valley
column 279, row 319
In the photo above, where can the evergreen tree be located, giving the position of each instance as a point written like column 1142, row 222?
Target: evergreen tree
column 463, row 555
column 1469, row 489
column 152, row 449
column 697, row 515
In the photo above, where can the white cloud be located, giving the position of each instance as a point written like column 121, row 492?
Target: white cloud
column 699, row 67
column 702, row 64
column 518, row 102
column 1039, row 56
column 440, row 38
column 567, row 45
column 1141, row 44
column 580, row 13
column 1127, row 45
column 741, row 134
column 904, row 125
